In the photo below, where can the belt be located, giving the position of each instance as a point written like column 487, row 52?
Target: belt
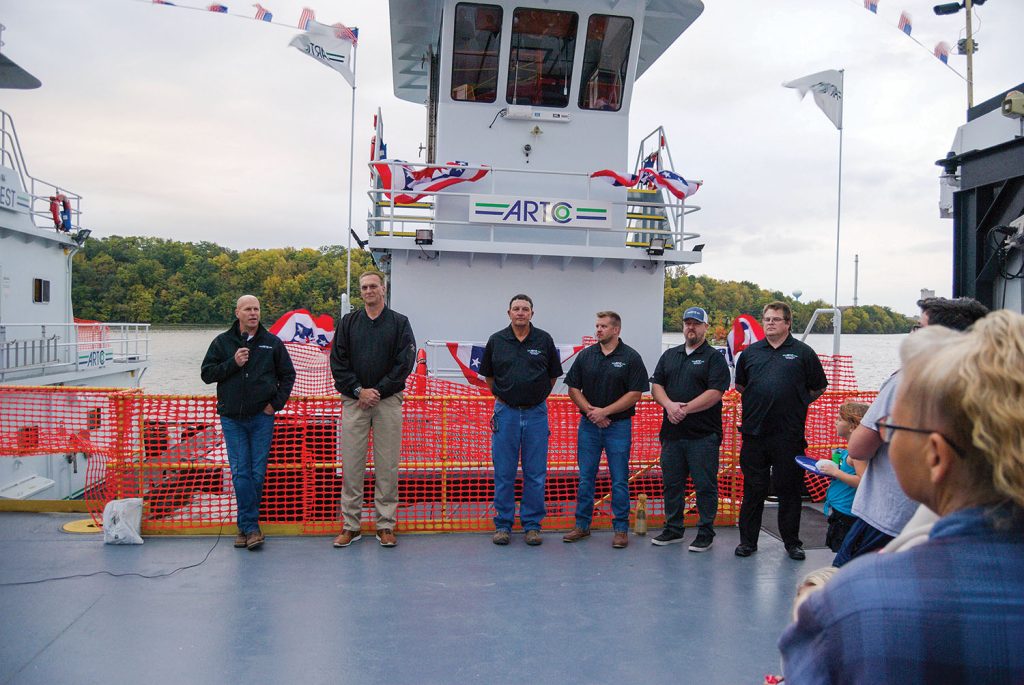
column 520, row 406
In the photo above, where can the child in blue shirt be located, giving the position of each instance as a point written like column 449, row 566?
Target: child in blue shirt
column 845, row 474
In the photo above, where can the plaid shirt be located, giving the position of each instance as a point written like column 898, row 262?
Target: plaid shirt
column 948, row 611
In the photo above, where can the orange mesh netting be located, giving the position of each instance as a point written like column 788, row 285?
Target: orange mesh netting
column 169, row 450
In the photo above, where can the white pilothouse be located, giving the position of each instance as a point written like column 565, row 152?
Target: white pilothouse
column 536, row 95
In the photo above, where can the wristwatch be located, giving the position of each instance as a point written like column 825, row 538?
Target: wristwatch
column 358, row 389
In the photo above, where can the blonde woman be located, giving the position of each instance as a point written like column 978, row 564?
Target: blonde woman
column 950, row 610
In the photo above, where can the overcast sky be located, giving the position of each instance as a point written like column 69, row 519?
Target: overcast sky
column 197, row 126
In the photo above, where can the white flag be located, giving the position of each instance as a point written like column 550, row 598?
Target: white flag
column 827, row 87
column 322, row 43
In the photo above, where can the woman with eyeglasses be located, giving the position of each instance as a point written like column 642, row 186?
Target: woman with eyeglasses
column 950, row 610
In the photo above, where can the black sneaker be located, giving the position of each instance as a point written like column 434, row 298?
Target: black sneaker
column 745, row 550
column 702, row 543
column 667, row 537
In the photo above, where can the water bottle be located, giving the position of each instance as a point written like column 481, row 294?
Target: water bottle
column 640, row 525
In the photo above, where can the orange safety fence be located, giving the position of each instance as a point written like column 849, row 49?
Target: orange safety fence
column 169, row 450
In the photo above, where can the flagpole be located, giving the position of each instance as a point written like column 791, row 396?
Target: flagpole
column 836, row 318
column 351, row 173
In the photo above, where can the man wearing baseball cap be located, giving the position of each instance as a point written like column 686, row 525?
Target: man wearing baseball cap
column 688, row 383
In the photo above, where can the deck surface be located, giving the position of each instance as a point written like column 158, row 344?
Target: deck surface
column 436, row 609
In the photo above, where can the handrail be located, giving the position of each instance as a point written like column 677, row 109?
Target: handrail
column 47, row 348
column 837, row 325
column 383, row 211
column 38, row 189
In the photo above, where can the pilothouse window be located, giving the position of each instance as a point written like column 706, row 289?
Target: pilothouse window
column 540, row 65
column 605, row 60
column 475, row 52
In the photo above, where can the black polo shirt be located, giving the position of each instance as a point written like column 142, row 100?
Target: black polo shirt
column 522, row 371
column 777, row 385
column 685, row 377
column 604, row 378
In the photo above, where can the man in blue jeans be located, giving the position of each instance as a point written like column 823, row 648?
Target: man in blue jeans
column 605, row 382
column 521, row 365
column 254, row 377
column 688, row 383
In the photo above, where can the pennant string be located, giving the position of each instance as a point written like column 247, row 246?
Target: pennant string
column 254, row 15
column 931, row 51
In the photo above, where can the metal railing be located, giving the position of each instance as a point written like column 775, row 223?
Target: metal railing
column 384, row 221
column 39, row 190
column 28, row 350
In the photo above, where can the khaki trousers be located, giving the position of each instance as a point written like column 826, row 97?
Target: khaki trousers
column 385, row 420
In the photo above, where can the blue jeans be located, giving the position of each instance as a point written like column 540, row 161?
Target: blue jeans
column 519, row 434
column 247, row 440
column 697, row 458
column 616, row 441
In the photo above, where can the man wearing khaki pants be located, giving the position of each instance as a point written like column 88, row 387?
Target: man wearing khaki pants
column 373, row 353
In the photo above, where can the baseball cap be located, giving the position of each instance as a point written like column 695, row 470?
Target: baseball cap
column 696, row 313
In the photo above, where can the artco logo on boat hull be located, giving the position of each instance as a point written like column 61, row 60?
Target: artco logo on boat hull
column 532, row 211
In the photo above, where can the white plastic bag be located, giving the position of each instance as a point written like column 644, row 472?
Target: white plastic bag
column 122, row 521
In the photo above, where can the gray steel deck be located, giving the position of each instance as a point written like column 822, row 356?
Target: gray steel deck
column 436, row 609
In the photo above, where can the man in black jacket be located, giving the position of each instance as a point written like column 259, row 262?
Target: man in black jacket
column 254, row 377
column 373, row 353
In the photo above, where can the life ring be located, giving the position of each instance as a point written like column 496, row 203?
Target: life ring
column 61, row 219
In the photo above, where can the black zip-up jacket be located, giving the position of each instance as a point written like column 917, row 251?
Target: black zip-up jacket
column 267, row 378
column 372, row 353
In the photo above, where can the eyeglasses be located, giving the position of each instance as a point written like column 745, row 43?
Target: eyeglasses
column 886, row 431
column 773, row 319
column 916, row 327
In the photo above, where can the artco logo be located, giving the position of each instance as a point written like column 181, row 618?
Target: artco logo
column 538, row 212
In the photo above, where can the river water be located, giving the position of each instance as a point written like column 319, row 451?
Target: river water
column 176, row 355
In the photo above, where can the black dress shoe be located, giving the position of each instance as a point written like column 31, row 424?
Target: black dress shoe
column 745, row 550
column 796, row 553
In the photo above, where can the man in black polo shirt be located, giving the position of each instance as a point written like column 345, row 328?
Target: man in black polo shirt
column 605, row 382
column 778, row 377
column 688, row 383
column 373, row 353
column 521, row 365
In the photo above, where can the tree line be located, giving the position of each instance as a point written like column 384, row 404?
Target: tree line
column 161, row 281
column 724, row 300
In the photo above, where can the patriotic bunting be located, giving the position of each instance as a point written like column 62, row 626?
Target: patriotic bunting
column 223, row 9
column 669, row 180
column 262, row 13
column 745, row 332
column 397, row 176
column 942, row 52
column 299, row 326
column 871, row 5
column 305, row 18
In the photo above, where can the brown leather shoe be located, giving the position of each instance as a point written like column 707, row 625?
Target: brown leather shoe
column 533, row 537
column 620, row 539
column 347, row 537
column 240, row 540
column 254, row 540
column 575, row 535
column 386, row 536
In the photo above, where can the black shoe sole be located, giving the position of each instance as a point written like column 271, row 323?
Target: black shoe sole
column 665, row 543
